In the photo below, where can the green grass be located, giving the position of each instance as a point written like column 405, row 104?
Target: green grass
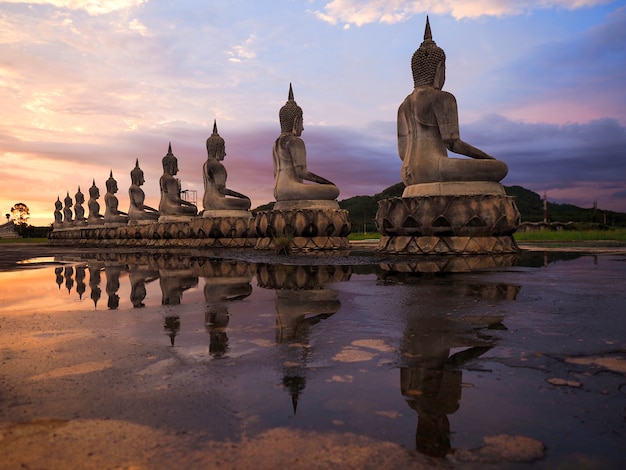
column 364, row 236
column 572, row 235
column 23, row 240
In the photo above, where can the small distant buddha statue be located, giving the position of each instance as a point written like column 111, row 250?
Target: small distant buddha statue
column 67, row 210
column 58, row 215
column 428, row 124
column 79, row 210
column 289, row 156
column 94, row 218
column 171, row 202
column 138, row 210
column 111, row 213
column 216, row 195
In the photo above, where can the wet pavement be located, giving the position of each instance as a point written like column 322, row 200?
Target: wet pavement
column 240, row 359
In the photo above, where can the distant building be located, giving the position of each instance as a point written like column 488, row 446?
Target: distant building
column 8, row 230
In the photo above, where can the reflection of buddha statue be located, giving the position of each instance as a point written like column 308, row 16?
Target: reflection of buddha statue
column 428, row 125
column 58, row 215
column 171, row 202
column 297, row 310
column 289, row 156
column 139, row 277
column 229, row 282
column 113, row 284
column 80, row 281
column 94, row 282
column 69, row 282
column 111, row 213
column 138, row 210
column 94, row 218
column 79, row 210
column 216, row 195
column 67, row 210
column 58, row 271
column 174, row 283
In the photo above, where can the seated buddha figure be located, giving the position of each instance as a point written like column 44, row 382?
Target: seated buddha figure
column 79, row 210
column 138, row 210
column 289, row 157
column 171, row 202
column 216, row 195
column 58, row 214
column 111, row 213
column 94, row 218
column 67, row 210
column 428, row 126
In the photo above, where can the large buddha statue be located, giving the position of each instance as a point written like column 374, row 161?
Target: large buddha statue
column 428, row 125
column 67, row 210
column 171, row 202
column 94, row 218
column 216, row 195
column 289, row 155
column 111, row 214
column 79, row 210
column 138, row 210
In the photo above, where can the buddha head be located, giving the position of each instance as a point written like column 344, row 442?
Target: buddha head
column 215, row 145
column 170, row 162
column 80, row 198
column 58, row 204
column 68, row 200
column 290, row 115
column 94, row 192
column 136, row 174
column 111, row 184
column 428, row 62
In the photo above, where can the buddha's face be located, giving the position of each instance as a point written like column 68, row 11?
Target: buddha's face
column 80, row 198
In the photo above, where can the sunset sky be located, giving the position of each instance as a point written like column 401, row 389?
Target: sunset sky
column 88, row 86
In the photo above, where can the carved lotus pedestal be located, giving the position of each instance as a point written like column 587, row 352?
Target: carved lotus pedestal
column 304, row 225
column 449, row 218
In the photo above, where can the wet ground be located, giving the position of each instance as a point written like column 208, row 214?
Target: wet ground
column 247, row 360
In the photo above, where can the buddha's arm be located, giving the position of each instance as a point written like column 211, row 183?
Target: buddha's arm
column 298, row 156
column 403, row 132
column 230, row 192
column 447, row 116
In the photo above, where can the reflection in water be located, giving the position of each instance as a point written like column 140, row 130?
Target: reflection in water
column 224, row 282
column 140, row 275
column 173, row 283
column 59, row 276
column 113, row 272
column 430, row 376
column 80, row 281
column 302, row 300
column 68, row 272
column 94, row 282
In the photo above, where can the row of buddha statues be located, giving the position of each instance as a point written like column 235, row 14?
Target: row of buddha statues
column 290, row 171
column 427, row 128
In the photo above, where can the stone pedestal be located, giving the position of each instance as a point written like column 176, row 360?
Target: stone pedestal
column 303, row 226
column 449, row 218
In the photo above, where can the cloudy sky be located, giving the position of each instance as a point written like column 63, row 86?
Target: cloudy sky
column 88, row 86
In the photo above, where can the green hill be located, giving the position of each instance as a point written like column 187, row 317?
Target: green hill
column 362, row 209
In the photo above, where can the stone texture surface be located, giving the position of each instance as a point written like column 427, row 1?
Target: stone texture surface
column 447, row 245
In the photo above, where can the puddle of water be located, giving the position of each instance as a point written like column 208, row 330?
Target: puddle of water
column 447, row 365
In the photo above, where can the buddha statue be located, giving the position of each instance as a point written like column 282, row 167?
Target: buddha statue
column 94, row 218
column 111, row 213
column 428, row 125
column 289, row 156
column 138, row 210
column 171, row 202
column 79, row 210
column 216, row 195
column 58, row 215
column 67, row 210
